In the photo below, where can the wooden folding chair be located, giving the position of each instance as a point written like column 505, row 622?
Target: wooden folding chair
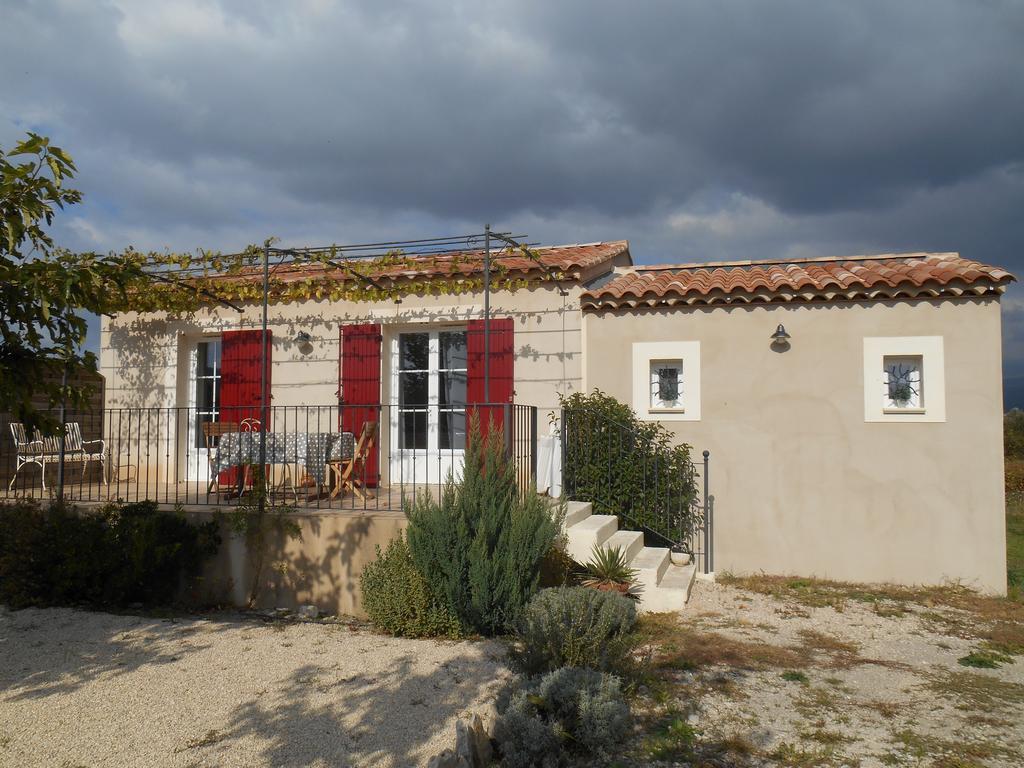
column 348, row 471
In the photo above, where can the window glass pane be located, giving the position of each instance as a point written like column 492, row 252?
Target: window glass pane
column 453, row 349
column 414, row 351
column 412, row 432
column 208, row 362
column 205, row 389
column 903, row 382
column 413, row 388
column 453, row 430
column 666, row 384
column 451, row 388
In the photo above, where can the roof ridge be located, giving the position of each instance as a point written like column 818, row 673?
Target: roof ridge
column 940, row 255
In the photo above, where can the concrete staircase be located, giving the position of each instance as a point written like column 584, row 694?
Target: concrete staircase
column 661, row 586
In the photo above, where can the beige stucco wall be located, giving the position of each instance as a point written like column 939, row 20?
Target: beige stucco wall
column 145, row 359
column 321, row 568
column 802, row 484
column 144, row 356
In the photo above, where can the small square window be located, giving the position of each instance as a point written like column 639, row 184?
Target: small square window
column 667, row 384
column 903, row 382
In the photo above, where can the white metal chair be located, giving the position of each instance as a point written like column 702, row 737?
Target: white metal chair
column 26, row 451
column 46, row 450
column 83, row 450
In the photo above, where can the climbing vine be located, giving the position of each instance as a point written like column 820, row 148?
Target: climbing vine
column 177, row 282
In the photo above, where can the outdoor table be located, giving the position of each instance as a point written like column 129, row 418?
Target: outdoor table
column 313, row 450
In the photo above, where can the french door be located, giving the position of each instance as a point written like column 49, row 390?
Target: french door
column 203, row 402
column 428, row 390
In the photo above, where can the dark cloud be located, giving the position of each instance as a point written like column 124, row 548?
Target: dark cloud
column 695, row 129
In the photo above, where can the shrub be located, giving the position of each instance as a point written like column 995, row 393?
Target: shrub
column 116, row 556
column 567, row 713
column 398, row 599
column 575, row 627
column 612, row 459
column 480, row 547
column 1013, row 434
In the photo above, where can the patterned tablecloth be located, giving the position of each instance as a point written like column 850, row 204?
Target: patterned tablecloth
column 311, row 449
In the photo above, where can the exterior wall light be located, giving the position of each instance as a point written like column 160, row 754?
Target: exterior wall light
column 304, row 342
column 780, row 339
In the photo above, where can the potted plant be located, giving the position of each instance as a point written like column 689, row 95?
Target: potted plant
column 679, row 555
column 608, row 571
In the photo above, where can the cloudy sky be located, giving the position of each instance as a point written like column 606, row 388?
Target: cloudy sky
column 697, row 130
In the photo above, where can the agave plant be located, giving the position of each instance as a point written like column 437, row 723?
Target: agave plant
column 607, row 570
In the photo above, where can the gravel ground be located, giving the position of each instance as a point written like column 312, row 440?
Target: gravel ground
column 867, row 685
column 81, row 689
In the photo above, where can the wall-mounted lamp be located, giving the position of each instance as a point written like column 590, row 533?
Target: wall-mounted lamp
column 304, row 342
column 780, row 339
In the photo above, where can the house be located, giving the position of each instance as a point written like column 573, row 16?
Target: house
column 851, row 406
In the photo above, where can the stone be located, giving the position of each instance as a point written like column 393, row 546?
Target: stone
column 444, row 760
column 472, row 744
column 489, row 716
column 308, row 612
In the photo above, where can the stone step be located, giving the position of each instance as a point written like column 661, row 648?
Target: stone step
column 584, row 535
column 650, row 565
column 629, row 542
column 672, row 591
column 575, row 511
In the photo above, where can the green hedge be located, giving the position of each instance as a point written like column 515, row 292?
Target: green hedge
column 119, row 555
column 627, row 467
column 398, row 599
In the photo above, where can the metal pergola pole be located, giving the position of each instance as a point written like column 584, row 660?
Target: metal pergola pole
column 263, row 376
column 487, row 313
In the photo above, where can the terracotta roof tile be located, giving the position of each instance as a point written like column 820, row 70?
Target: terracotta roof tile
column 572, row 260
column 907, row 275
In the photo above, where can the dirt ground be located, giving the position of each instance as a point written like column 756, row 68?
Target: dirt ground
column 769, row 671
column 802, row 673
column 84, row 690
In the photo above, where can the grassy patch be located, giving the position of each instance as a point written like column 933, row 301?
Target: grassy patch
column 946, row 753
column 797, row 756
column 679, row 645
column 670, row 738
column 794, row 676
column 985, row 659
column 1015, row 544
column 977, row 693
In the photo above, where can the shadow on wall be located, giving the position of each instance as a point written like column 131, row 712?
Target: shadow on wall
column 322, row 568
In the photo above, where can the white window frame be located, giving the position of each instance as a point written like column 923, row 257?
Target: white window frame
column 877, row 406
column 685, row 352
column 431, row 464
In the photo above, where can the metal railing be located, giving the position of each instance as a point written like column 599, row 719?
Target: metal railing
column 650, row 486
column 316, row 456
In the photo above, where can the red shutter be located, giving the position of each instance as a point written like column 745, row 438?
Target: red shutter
column 240, row 376
column 240, row 382
column 360, row 386
column 502, row 373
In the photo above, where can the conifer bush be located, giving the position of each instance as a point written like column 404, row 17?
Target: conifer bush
column 481, row 545
column 398, row 599
column 575, row 627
